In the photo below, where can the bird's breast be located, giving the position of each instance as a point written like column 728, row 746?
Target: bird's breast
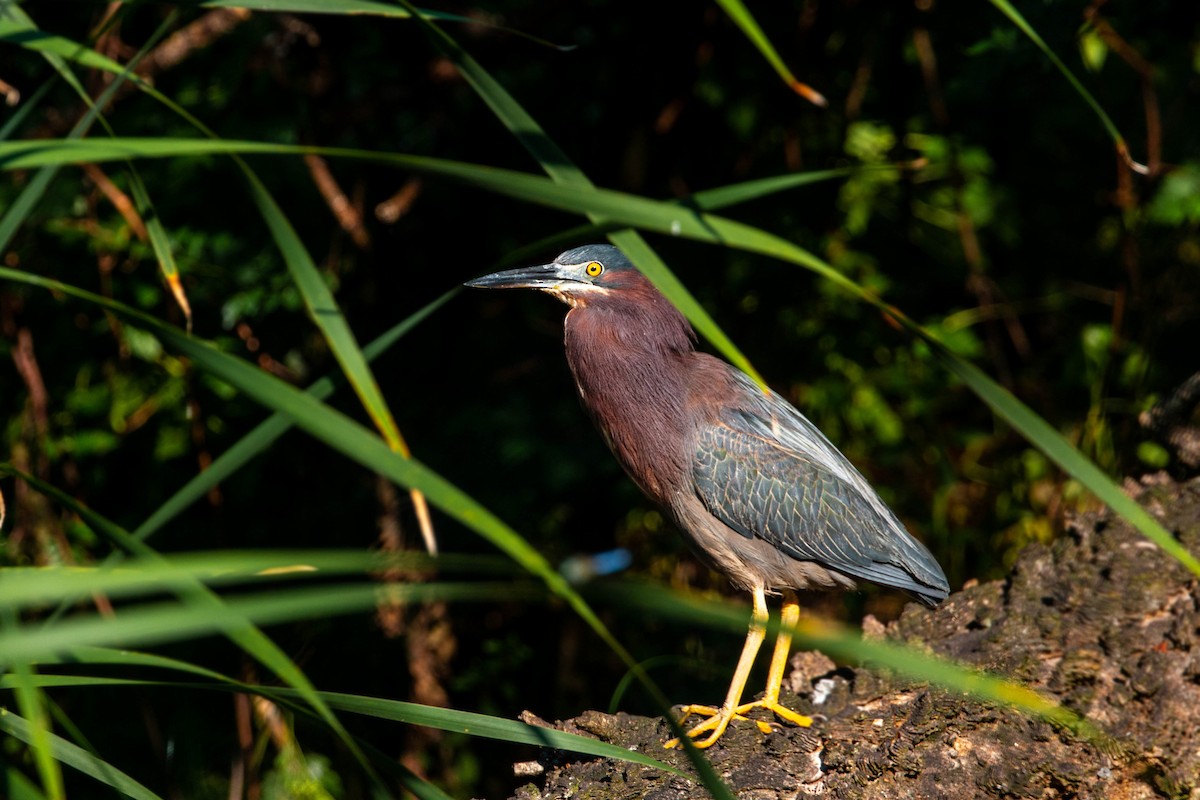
column 635, row 400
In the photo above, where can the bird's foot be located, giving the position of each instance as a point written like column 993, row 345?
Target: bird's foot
column 719, row 719
column 779, row 710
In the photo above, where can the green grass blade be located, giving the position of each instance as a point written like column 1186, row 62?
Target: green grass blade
column 741, row 15
column 328, row 317
column 98, row 655
column 445, row 719
column 1007, row 9
column 156, row 623
column 667, row 218
column 240, row 630
column 1056, row 447
column 319, row 301
column 267, row 432
column 343, row 435
column 562, row 170
column 324, row 310
column 31, row 703
column 618, row 207
column 33, row 586
column 483, row 725
column 38, row 586
column 16, row 26
column 133, row 658
column 375, row 8
column 160, row 241
column 724, row 196
column 18, row 118
column 77, row 758
column 842, row 642
column 705, row 200
column 18, row 786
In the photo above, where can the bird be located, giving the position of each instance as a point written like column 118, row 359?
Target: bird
column 756, row 490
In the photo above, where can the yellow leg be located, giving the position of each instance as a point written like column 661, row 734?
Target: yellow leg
column 783, row 643
column 719, row 718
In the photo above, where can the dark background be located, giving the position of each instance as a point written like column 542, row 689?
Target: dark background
column 1024, row 241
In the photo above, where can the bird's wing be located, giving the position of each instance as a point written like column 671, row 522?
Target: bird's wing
column 766, row 471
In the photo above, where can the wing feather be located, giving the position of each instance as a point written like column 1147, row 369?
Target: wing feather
column 766, row 471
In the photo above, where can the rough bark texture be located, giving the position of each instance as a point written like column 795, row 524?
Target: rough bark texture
column 1101, row 619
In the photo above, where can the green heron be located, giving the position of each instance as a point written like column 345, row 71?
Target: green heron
column 757, row 491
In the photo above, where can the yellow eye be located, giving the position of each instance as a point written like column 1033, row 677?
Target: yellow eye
column 594, row 269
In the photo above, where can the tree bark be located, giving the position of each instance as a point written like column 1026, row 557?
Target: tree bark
column 1100, row 619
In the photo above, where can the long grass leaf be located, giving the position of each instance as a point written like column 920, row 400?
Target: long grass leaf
column 343, row 435
column 1056, row 447
column 98, row 655
column 667, row 218
column 741, row 15
column 31, row 702
column 240, row 630
column 328, row 317
column 1009, row 10
column 562, row 170
column 444, row 719
column 32, row 586
column 160, row 241
column 374, row 8
column 318, row 299
column 77, row 758
column 156, row 623
column 37, row 586
column 17, row 119
column 267, row 432
column 840, row 641
column 16, row 24
column 484, row 725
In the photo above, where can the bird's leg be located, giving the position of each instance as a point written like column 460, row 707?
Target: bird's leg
column 719, row 718
column 789, row 616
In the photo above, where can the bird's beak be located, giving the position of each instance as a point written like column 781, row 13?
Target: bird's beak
column 547, row 277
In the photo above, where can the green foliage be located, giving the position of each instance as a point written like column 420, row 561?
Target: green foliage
column 987, row 252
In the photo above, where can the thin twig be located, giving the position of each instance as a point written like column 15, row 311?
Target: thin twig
column 12, row 95
column 196, row 35
column 347, row 216
column 121, row 202
column 399, row 204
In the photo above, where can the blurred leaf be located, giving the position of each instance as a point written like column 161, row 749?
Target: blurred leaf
column 1177, row 201
column 1092, row 49
column 1153, row 455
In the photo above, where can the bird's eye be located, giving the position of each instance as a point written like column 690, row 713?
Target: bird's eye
column 594, row 269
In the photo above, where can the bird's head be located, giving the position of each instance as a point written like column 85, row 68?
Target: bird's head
column 578, row 277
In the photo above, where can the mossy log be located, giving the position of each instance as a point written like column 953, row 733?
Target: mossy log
column 1100, row 619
